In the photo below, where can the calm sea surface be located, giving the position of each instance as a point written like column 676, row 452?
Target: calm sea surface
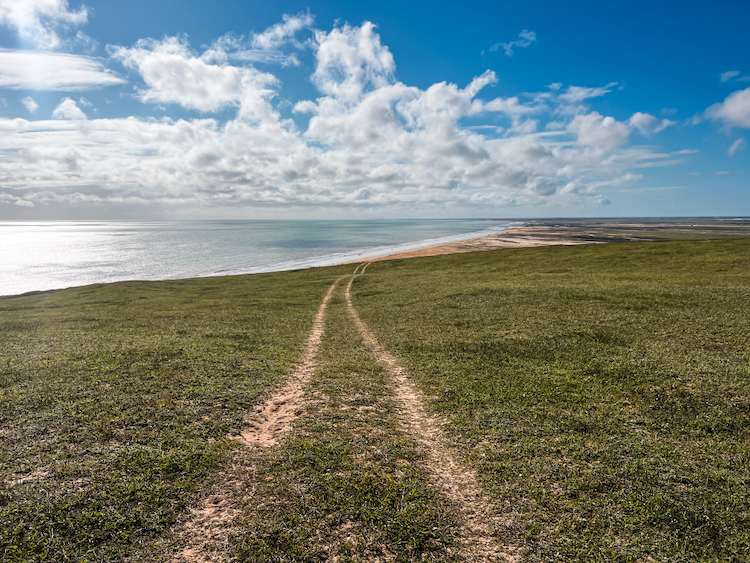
column 38, row 255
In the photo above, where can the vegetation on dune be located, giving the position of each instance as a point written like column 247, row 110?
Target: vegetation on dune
column 116, row 401
column 347, row 483
column 602, row 394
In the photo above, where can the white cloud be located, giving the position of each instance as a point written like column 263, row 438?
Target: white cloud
column 736, row 147
column 600, row 132
column 647, row 124
column 237, row 48
column 266, row 47
column 525, row 39
column 30, row 104
column 370, row 141
column 37, row 22
column 733, row 76
column 68, row 109
column 577, row 94
column 278, row 34
column 174, row 74
column 734, row 111
column 350, row 60
column 43, row 70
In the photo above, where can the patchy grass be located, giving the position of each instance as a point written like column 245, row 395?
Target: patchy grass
column 116, row 400
column 602, row 392
column 348, row 483
column 345, row 484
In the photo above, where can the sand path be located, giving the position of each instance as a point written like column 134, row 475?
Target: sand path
column 206, row 528
column 447, row 472
column 274, row 417
column 205, row 532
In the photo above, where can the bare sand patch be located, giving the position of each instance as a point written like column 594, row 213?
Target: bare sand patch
column 275, row 416
column 516, row 237
column 568, row 232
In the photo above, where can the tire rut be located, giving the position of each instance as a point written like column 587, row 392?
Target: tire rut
column 448, row 473
column 204, row 533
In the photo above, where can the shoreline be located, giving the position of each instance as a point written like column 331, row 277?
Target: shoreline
column 512, row 237
column 324, row 261
column 581, row 232
column 517, row 234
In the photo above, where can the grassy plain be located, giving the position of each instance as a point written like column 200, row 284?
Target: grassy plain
column 602, row 393
column 116, row 400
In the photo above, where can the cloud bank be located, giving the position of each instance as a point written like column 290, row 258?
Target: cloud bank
column 365, row 140
column 45, row 70
column 37, row 22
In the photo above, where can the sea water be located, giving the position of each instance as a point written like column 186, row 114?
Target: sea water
column 41, row 255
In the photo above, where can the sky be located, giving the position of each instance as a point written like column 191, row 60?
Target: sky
column 255, row 109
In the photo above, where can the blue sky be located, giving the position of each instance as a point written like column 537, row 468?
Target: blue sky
column 332, row 109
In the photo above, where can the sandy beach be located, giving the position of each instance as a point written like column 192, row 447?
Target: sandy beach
column 515, row 237
column 578, row 232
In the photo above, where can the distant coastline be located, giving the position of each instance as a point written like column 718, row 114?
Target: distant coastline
column 496, row 234
column 47, row 255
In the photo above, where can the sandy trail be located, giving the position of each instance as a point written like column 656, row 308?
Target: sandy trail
column 454, row 478
column 206, row 528
column 274, row 417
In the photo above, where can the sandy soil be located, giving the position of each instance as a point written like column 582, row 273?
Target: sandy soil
column 516, row 237
column 447, row 472
column 583, row 231
column 275, row 416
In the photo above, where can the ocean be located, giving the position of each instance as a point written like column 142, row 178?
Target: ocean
column 42, row 255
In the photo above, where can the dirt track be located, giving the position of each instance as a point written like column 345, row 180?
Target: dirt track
column 203, row 534
column 448, row 473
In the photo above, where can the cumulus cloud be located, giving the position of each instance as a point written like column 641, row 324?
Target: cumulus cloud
column 235, row 48
column 37, row 22
column 734, row 111
column 350, row 60
column 278, row 34
column 598, row 131
column 647, row 124
column 524, row 40
column 30, row 104
column 274, row 45
column 173, row 73
column 68, row 109
column 44, row 70
column 736, row 147
column 369, row 139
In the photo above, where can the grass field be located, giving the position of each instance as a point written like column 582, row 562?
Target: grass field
column 115, row 402
column 602, row 394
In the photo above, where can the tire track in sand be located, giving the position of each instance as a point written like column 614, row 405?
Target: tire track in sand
column 447, row 472
column 205, row 530
column 274, row 417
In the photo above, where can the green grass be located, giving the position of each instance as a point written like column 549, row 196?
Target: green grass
column 602, row 394
column 348, row 483
column 116, row 400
